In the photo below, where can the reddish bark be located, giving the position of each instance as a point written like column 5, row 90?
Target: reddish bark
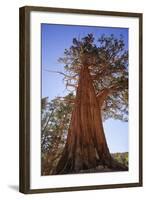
column 86, row 145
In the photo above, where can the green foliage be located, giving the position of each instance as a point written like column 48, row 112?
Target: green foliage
column 107, row 60
column 121, row 158
column 55, row 120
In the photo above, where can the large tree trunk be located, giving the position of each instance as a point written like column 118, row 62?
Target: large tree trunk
column 86, row 145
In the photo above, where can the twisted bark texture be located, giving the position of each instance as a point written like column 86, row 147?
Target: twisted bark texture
column 86, row 145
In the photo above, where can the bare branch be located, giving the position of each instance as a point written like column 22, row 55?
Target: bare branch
column 64, row 99
column 71, row 85
column 65, row 75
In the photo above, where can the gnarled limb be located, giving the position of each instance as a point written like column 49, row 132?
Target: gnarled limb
column 65, row 75
column 102, row 95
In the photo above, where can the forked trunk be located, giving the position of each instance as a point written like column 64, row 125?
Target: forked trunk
column 86, row 145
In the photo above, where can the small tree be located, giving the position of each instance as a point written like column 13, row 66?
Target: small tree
column 55, row 120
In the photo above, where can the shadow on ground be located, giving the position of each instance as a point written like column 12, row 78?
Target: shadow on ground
column 14, row 187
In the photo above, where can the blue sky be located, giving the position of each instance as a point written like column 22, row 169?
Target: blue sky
column 54, row 39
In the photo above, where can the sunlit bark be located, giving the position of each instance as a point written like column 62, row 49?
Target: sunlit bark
column 86, row 145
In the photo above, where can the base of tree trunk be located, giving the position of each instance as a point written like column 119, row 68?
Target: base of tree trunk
column 110, row 165
column 105, row 168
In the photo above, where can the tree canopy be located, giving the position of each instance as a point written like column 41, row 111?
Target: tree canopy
column 107, row 59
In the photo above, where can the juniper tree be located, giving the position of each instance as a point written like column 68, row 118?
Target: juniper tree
column 97, row 73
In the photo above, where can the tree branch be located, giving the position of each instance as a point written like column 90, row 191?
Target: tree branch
column 66, row 100
column 65, row 75
column 47, row 122
column 71, row 85
column 102, row 95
